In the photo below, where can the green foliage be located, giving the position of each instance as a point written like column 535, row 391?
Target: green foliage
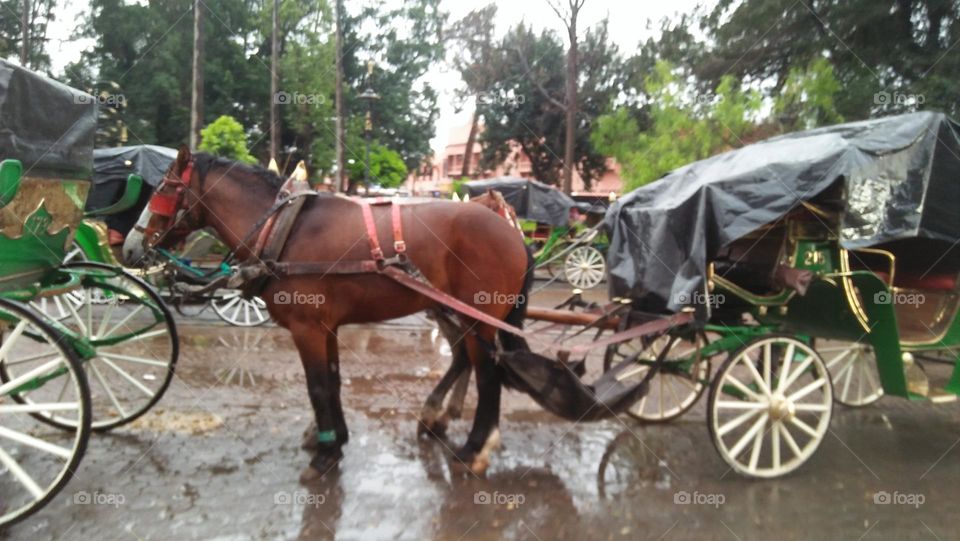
column 386, row 168
column 523, row 104
column 807, row 98
column 41, row 13
column 225, row 137
column 684, row 127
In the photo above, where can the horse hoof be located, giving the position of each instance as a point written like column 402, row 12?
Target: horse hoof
column 323, row 464
column 477, row 462
column 434, row 428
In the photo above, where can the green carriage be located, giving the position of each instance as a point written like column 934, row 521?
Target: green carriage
column 822, row 266
column 563, row 246
column 83, row 346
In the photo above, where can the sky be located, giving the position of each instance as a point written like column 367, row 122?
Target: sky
column 631, row 22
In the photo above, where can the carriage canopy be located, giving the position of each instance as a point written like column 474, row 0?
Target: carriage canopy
column 47, row 125
column 531, row 199
column 901, row 178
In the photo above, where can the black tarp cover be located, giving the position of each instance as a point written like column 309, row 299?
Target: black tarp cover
column 533, row 200
column 112, row 166
column 902, row 180
column 116, row 164
column 47, row 125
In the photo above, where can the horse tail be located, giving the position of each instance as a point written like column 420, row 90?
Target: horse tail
column 518, row 313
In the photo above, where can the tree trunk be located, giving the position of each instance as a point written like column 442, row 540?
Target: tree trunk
column 468, row 153
column 571, row 105
column 275, row 83
column 339, row 181
column 25, row 34
column 196, row 94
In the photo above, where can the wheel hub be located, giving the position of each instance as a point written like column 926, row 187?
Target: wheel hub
column 782, row 409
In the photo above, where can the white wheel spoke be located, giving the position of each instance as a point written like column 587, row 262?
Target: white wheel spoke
column 124, row 321
column 35, row 443
column 103, row 383
column 735, row 422
column 750, row 434
column 133, row 359
column 818, row 408
column 791, row 443
column 108, row 313
column 41, row 370
column 139, row 337
column 787, row 362
column 757, row 378
column 807, row 389
column 133, row 381
column 32, row 487
column 744, row 389
column 805, row 427
column 30, row 358
column 38, row 407
column 742, row 405
column 845, row 351
column 757, row 447
column 797, row 373
column 10, row 340
column 775, row 446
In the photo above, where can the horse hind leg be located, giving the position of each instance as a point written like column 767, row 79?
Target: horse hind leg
column 433, row 420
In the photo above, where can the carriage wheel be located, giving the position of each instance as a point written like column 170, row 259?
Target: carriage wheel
column 236, row 310
column 38, row 461
column 585, row 267
column 770, row 406
column 853, row 369
column 675, row 388
column 133, row 339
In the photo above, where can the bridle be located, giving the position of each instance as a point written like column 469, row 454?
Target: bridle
column 168, row 201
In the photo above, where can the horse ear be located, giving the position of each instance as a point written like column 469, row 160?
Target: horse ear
column 183, row 158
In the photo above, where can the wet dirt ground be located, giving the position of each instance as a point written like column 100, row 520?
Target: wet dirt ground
column 219, row 458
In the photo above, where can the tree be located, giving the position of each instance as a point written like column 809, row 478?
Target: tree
column 12, row 32
column 807, row 98
column 386, row 168
column 225, row 137
column 474, row 58
column 523, row 105
column 684, row 126
column 888, row 56
column 569, row 105
column 405, row 43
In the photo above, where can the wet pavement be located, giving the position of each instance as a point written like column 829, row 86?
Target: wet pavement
column 219, row 458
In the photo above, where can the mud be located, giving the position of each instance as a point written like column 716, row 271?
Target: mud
column 219, row 458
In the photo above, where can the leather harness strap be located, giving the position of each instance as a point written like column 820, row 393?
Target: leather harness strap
column 399, row 245
column 375, row 252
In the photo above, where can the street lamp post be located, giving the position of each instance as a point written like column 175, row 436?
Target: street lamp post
column 368, row 96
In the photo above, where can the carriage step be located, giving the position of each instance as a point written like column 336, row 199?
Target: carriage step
column 938, row 396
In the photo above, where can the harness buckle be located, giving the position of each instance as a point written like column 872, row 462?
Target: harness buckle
column 377, row 254
column 399, row 246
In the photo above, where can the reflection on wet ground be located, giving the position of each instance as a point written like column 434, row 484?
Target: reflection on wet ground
column 219, row 458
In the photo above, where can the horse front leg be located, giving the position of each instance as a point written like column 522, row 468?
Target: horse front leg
column 318, row 355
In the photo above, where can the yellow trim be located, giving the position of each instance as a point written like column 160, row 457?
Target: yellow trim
column 884, row 253
column 853, row 299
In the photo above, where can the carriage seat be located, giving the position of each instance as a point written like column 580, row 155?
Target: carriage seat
column 942, row 281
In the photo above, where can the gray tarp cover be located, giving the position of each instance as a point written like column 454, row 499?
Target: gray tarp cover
column 47, row 125
column 116, row 164
column 902, row 176
column 533, row 200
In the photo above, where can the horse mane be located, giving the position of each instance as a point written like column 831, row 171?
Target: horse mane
column 204, row 162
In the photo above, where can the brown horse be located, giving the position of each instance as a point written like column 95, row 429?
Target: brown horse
column 465, row 251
